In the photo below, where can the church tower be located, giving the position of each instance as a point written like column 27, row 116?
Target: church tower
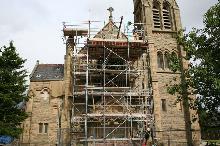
column 161, row 19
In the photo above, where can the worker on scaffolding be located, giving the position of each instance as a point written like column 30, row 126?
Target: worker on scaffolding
column 146, row 137
column 135, row 34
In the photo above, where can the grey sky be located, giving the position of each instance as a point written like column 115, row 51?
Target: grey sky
column 35, row 25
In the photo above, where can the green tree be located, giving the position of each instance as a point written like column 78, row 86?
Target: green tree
column 202, row 78
column 12, row 89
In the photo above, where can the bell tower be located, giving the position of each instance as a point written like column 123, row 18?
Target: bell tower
column 158, row 15
column 161, row 19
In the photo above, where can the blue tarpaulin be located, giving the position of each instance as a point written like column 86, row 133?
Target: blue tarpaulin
column 5, row 139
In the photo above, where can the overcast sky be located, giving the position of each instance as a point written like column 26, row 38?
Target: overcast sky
column 35, row 25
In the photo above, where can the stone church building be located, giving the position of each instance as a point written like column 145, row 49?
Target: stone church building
column 112, row 90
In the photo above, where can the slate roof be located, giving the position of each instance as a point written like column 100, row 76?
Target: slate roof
column 47, row 72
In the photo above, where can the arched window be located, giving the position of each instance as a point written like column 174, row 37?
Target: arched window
column 174, row 62
column 160, row 61
column 174, row 55
column 167, row 60
column 156, row 15
column 166, row 15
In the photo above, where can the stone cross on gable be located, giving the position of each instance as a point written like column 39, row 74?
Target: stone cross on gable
column 110, row 11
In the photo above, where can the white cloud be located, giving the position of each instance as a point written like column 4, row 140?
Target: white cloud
column 35, row 25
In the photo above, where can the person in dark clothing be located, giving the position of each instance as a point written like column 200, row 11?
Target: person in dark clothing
column 146, row 137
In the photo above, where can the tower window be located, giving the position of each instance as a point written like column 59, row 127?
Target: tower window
column 160, row 61
column 166, row 16
column 156, row 15
column 180, row 105
column 174, row 62
column 166, row 60
column 163, row 104
column 174, row 56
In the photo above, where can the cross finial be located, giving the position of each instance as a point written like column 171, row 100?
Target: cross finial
column 110, row 11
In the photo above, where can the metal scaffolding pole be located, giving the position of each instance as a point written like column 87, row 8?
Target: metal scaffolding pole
column 104, row 98
column 115, row 91
column 86, row 88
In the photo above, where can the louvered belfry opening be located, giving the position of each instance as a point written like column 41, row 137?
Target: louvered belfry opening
column 166, row 16
column 156, row 15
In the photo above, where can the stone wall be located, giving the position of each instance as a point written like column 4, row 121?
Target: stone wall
column 43, row 106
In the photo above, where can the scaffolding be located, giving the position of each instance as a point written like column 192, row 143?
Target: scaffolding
column 112, row 100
